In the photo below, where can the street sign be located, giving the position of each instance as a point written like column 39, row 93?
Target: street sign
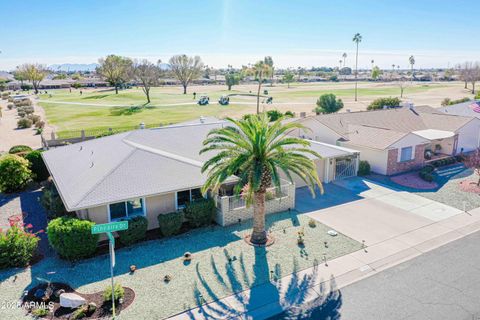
column 110, row 227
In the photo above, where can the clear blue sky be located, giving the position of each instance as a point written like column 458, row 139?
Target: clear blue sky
column 293, row 32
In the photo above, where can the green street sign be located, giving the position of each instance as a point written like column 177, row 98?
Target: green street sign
column 110, row 227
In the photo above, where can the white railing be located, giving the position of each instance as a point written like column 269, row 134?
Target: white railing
column 237, row 201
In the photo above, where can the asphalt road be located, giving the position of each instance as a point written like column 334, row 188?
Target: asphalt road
column 443, row 284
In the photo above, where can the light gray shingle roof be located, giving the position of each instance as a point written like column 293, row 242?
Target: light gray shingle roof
column 379, row 129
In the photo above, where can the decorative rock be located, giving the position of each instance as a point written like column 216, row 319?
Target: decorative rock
column 71, row 300
column 59, row 292
column 187, row 256
column 92, row 306
column 333, row 233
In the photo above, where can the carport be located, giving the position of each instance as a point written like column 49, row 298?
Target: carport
column 335, row 162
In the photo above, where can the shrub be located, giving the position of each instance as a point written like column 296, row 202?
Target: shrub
column 37, row 165
column 445, row 102
column 17, row 247
column 19, row 149
column 328, row 103
column 170, row 223
column 40, row 312
column 24, row 123
column 289, row 114
column 52, row 203
column 426, row 176
column 10, row 106
column 40, row 124
column 21, row 114
column 71, row 238
column 200, row 212
column 35, row 118
column 14, row 173
column 274, row 115
column 118, row 292
column 363, row 168
column 381, row 102
column 137, row 230
column 23, row 103
column 25, row 109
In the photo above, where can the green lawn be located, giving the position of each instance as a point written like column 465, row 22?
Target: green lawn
column 98, row 110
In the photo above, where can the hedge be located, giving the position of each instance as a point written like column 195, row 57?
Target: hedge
column 14, row 173
column 19, row 149
column 72, row 238
column 200, row 212
column 170, row 223
column 17, row 247
column 37, row 165
column 137, row 230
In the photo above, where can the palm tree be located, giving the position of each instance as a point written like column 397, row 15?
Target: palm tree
column 340, row 62
column 412, row 62
column 260, row 70
column 256, row 152
column 344, row 56
column 372, row 62
column 357, row 38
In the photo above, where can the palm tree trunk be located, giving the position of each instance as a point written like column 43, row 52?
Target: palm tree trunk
column 259, row 234
column 258, row 95
column 356, row 73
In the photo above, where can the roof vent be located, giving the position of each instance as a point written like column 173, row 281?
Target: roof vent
column 81, row 148
column 91, row 165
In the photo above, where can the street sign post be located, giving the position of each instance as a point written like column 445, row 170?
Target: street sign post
column 108, row 228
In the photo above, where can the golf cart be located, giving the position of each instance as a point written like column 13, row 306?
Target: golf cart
column 224, row 100
column 203, row 101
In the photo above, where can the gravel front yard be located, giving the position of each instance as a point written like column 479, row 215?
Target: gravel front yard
column 222, row 264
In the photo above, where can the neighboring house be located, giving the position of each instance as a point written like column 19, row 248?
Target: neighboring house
column 395, row 140
column 153, row 171
column 466, row 109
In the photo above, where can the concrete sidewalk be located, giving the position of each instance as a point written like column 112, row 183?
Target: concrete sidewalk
column 345, row 270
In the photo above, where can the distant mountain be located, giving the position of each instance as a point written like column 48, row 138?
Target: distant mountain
column 164, row 66
column 72, row 67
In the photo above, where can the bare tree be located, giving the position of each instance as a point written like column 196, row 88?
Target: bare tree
column 116, row 70
column 33, row 72
column 402, row 84
column 473, row 161
column 186, row 69
column 147, row 74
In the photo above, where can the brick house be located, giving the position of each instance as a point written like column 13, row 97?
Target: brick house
column 396, row 140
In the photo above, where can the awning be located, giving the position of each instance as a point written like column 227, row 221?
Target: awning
column 432, row 134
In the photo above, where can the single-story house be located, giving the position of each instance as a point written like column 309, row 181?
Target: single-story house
column 153, row 171
column 395, row 140
column 466, row 109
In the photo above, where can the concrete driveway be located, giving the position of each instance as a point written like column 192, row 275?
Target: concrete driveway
column 365, row 210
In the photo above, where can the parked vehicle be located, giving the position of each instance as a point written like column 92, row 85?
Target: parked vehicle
column 224, row 100
column 203, row 101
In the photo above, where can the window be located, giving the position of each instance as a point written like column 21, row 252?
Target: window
column 406, row 154
column 182, row 198
column 188, row 195
column 126, row 209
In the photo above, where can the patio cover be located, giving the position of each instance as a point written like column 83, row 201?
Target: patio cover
column 433, row 134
